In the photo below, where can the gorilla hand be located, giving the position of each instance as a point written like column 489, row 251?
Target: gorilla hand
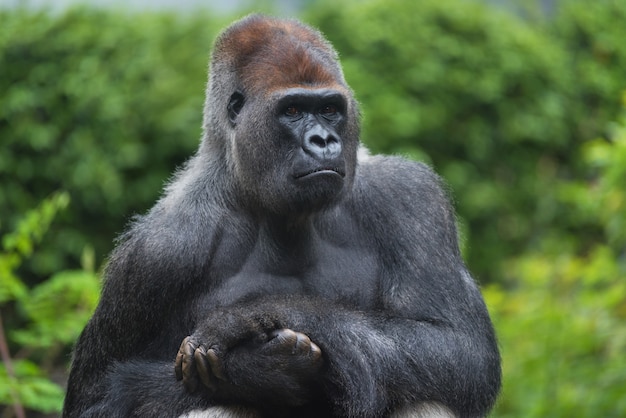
column 194, row 362
column 282, row 362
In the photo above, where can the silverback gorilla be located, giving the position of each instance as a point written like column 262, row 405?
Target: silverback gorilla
column 285, row 272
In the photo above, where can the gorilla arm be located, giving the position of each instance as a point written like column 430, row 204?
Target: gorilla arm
column 374, row 362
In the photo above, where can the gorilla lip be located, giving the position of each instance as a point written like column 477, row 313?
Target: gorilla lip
column 322, row 171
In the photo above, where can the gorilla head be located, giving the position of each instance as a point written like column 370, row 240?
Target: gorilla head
column 281, row 115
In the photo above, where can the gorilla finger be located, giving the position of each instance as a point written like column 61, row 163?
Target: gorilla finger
column 186, row 348
column 190, row 380
column 316, row 352
column 178, row 366
column 303, row 342
column 284, row 338
column 188, row 367
column 307, row 347
column 217, row 368
column 203, row 367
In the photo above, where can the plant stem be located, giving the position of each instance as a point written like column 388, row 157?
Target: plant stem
column 6, row 359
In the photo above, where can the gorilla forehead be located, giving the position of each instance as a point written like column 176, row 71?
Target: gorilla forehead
column 269, row 54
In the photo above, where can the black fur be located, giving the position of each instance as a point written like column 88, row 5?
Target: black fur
column 273, row 226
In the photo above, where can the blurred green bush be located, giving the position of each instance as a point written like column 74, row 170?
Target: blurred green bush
column 42, row 320
column 102, row 105
column 561, row 313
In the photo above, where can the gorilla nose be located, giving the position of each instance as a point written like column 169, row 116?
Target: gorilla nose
column 321, row 143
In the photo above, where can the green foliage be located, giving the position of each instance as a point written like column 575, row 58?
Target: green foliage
column 593, row 33
column 42, row 320
column 562, row 317
column 31, row 387
column 58, row 309
column 563, row 336
column 19, row 244
column 601, row 206
column 101, row 104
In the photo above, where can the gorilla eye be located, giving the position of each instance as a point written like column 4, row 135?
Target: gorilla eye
column 235, row 104
column 328, row 110
column 292, row 111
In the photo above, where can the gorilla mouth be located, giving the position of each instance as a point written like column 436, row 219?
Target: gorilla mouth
column 322, row 171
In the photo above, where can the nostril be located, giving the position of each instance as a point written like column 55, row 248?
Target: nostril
column 321, row 144
column 318, row 141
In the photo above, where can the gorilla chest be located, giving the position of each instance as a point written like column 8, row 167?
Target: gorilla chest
column 327, row 271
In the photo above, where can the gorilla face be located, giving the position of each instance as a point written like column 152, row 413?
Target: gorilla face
column 293, row 154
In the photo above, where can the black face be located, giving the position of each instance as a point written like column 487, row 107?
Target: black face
column 304, row 161
column 312, row 119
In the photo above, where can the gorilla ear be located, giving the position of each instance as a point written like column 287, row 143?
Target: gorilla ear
column 235, row 104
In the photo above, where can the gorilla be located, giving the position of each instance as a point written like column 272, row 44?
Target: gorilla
column 286, row 272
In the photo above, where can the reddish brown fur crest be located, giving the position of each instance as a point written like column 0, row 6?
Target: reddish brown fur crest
column 271, row 53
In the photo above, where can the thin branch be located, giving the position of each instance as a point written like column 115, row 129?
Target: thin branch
column 6, row 359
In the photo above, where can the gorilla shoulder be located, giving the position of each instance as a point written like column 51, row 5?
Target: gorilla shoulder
column 393, row 180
